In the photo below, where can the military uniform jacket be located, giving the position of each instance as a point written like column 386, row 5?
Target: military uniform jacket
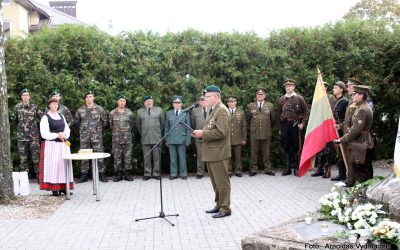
column 91, row 123
column 197, row 119
column 216, row 144
column 238, row 127
column 261, row 122
column 121, row 124
column 150, row 126
column 293, row 108
column 27, row 118
column 345, row 125
column 179, row 135
column 63, row 110
column 360, row 126
column 339, row 111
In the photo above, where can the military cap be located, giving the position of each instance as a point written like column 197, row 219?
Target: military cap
column 289, row 82
column 231, row 98
column 352, row 81
column 362, row 89
column 177, row 98
column 88, row 93
column 213, row 88
column 341, row 85
column 55, row 92
column 201, row 97
column 23, row 91
column 147, row 97
column 120, row 97
column 326, row 84
column 261, row 89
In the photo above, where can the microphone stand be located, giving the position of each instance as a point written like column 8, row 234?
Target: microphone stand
column 158, row 145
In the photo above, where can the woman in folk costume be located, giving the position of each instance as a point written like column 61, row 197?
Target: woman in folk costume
column 52, row 167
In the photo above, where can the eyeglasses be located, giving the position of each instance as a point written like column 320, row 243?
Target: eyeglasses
column 260, row 93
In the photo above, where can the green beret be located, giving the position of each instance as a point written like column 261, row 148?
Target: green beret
column 55, row 92
column 120, row 97
column 362, row 89
column 177, row 98
column 352, row 81
column 88, row 93
column 23, row 91
column 341, row 85
column 289, row 82
column 213, row 88
column 231, row 98
column 147, row 97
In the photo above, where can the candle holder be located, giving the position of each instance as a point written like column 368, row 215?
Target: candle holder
column 324, row 228
column 308, row 218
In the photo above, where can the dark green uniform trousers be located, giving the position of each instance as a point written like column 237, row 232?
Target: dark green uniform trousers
column 218, row 171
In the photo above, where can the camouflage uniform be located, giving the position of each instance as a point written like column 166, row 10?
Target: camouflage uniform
column 121, row 124
column 63, row 110
column 91, row 123
column 27, row 118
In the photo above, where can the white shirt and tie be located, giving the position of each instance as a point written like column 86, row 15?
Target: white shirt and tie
column 260, row 105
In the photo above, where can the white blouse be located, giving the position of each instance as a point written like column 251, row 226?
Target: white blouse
column 45, row 129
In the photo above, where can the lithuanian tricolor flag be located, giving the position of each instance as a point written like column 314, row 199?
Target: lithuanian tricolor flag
column 320, row 129
column 397, row 153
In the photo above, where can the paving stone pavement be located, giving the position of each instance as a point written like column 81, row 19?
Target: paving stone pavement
column 82, row 223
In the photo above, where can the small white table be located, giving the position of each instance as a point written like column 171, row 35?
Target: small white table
column 87, row 156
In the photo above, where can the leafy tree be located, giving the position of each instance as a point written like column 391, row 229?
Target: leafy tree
column 388, row 10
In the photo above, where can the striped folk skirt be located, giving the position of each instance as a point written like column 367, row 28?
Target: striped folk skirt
column 52, row 174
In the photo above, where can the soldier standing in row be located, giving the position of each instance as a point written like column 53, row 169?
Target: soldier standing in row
column 217, row 150
column 150, row 122
column 198, row 119
column 238, row 136
column 262, row 116
column 91, row 119
column 178, row 140
column 121, row 124
column 293, row 115
column 359, row 132
column 62, row 110
column 26, row 118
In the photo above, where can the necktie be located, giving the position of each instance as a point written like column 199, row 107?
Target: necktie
column 205, row 113
column 176, row 112
column 148, row 111
column 210, row 111
column 231, row 111
column 259, row 108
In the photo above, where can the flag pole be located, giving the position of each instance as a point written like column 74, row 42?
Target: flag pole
column 337, row 133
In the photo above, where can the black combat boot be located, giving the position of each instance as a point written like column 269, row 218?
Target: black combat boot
column 288, row 170
column 118, row 176
column 128, row 176
column 103, row 177
column 295, row 163
column 83, row 178
column 320, row 166
column 342, row 172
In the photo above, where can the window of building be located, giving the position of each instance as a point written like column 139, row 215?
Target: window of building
column 6, row 28
column 6, row 2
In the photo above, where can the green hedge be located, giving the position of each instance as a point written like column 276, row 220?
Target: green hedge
column 77, row 58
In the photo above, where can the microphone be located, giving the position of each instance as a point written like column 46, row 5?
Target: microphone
column 188, row 109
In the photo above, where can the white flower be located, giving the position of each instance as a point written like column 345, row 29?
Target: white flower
column 340, row 184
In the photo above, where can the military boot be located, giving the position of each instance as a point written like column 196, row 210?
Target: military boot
column 118, row 176
column 83, row 178
column 128, row 176
column 342, row 172
column 288, row 170
column 103, row 177
column 320, row 166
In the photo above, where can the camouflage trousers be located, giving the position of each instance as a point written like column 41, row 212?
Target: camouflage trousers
column 97, row 147
column 29, row 147
column 122, row 152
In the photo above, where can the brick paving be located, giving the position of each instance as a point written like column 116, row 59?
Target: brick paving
column 82, row 223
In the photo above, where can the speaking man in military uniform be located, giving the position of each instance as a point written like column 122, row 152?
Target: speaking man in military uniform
column 217, row 150
column 293, row 115
column 26, row 118
column 91, row 119
column 178, row 139
column 121, row 124
column 262, row 117
column 238, row 135
column 150, row 122
column 344, row 126
column 359, row 132
column 198, row 118
column 63, row 110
